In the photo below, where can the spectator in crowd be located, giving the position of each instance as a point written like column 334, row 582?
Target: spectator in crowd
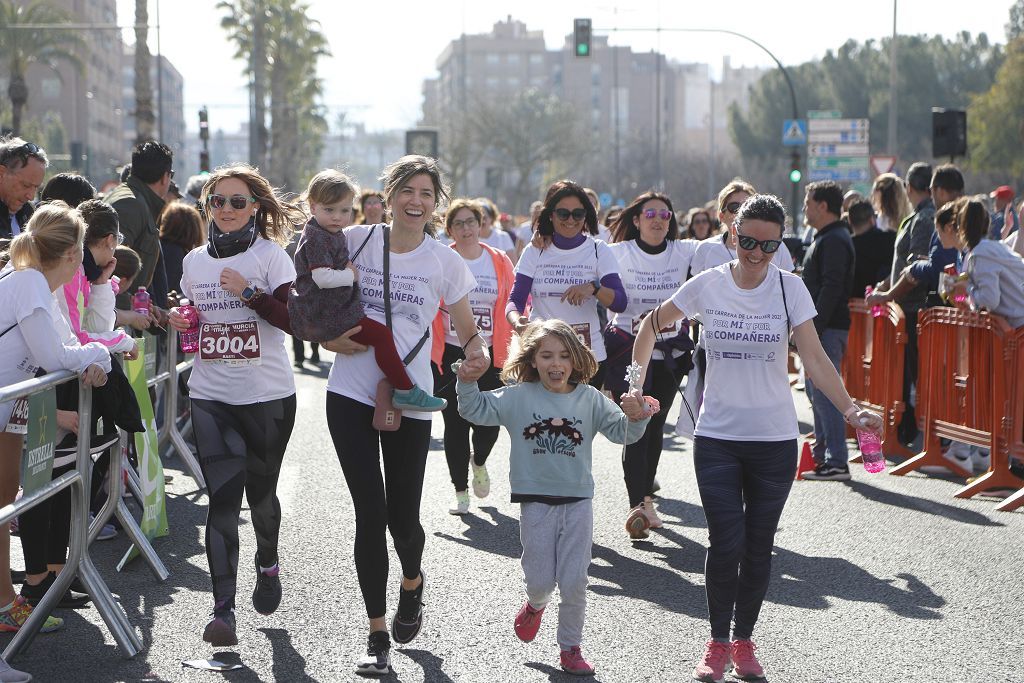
column 889, row 197
column 913, row 240
column 995, row 273
column 173, row 193
column 873, row 247
column 490, row 232
column 193, row 188
column 524, row 232
column 1002, row 198
column 138, row 202
column 126, row 270
column 22, row 166
column 699, row 224
column 828, row 275
column 371, row 208
column 181, row 231
column 851, row 197
column 70, row 188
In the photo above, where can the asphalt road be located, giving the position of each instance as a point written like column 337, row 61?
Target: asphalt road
column 875, row 580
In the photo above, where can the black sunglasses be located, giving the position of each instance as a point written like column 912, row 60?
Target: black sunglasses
column 565, row 214
column 749, row 243
column 26, row 150
column 733, row 207
column 237, row 201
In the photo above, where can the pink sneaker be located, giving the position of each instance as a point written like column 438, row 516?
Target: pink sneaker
column 651, row 514
column 527, row 622
column 574, row 663
column 714, row 664
column 747, row 666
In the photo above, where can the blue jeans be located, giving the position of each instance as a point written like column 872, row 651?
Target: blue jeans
column 829, row 425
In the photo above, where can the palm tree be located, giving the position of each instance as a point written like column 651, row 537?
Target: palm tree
column 21, row 47
column 145, row 119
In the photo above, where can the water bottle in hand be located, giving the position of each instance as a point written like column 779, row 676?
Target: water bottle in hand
column 189, row 339
column 140, row 301
column 876, row 311
column 871, row 448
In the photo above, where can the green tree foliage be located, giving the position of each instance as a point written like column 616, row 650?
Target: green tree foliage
column 995, row 120
column 1015, row 29
column 854, row 79
column 20, row 47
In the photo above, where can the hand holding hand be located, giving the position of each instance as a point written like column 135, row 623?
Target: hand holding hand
column 344, row 343
column 633, row 405
column 232, row 281
column 474, row 367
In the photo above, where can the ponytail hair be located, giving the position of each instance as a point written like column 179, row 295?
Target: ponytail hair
column 53, row 229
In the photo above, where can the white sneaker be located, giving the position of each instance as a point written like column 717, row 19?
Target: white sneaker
column 981, row 459
column 481, row 480
column 960, row 454
column 461, row 506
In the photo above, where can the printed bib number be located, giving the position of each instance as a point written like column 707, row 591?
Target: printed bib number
column 582, row 331
column 638, row 320
column 230, row 343
column 18, row 424
column 482, row 316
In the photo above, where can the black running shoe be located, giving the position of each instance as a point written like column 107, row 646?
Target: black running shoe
column 408, row 618
column 220, row 632
column 825, row 472
column 377, row 661
column 266, row 596
column 71, row 599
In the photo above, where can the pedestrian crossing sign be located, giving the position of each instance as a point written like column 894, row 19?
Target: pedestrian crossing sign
column 794, row 132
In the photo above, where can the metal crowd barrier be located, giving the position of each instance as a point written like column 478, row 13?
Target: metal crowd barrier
column 169, row 433
column 79, row 563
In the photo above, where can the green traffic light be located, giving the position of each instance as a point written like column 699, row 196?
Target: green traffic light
column 795, row 175
column 582, row 50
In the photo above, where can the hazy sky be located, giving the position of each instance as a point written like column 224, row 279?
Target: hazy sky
column 383, row 49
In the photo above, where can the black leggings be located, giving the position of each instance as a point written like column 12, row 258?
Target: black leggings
column 45, row 529
column 641, row 462
column 299, row 349
column 456, row 429
column 743, row 488
column 391, row 501
column 241, row 447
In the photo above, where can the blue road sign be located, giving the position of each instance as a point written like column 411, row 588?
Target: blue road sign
column 794, row 132
column 605, row 198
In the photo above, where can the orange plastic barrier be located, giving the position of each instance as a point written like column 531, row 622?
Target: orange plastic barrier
column 872, row 368
column 1014, row 422
column 966, row 371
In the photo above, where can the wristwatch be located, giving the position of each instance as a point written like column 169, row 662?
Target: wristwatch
column 248, row 293
column 597, row 286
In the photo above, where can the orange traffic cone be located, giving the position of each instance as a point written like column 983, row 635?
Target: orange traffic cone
column 806, row 463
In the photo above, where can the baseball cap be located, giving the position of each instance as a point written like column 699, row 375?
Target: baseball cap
column 1002, row 192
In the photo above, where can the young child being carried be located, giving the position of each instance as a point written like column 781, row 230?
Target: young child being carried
column 552, row 416
column 324, row 303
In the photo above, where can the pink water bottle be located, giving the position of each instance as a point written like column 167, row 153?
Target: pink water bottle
column 876, row 310
column 871, row 450
column 140, row 301
column 189, row 339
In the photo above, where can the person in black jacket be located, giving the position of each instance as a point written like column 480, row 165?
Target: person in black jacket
column 828, row 274
column 872, row 245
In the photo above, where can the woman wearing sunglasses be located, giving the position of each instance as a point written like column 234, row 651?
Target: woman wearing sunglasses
column 570, row 274
column 242, row 389
column 653, row 263
column 713, row 252
column 745, row 447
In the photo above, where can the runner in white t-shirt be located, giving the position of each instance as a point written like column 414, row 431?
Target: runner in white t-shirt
column 242, row 389
column 34, row 335
column 745, row 449
column 653, row 263
column 421, row 272
column 490, row 230
column 568, row 277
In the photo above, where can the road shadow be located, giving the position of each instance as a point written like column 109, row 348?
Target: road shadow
column 687, row 514
column 499, row 535
column 289, row 665
column 431, row 664
column 808, row 582
column 654, row 581
column 561, row 676
column 926, row 505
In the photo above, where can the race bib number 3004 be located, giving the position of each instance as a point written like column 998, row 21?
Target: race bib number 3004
column 230, row 343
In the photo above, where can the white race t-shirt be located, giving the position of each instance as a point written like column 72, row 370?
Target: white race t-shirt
column 481, row 300
column 712, row 253
column 746, row 389
column 650, row 279
column 419, row 280
column 555, row 270
column 524, row 233
column 499, row 239
column 238, row 382
column 604, row 233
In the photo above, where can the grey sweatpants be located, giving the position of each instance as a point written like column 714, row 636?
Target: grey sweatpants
column 557, row 543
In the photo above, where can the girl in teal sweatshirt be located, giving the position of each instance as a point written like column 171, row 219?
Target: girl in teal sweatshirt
column 552, row 415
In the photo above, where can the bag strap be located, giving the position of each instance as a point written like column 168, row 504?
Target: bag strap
column 360, row 249
column 387, row 298
column 784, row 304
column 15, row 324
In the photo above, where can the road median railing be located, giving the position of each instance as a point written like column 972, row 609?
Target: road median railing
column 78, row 562
column 966, row 373
column 872, row 368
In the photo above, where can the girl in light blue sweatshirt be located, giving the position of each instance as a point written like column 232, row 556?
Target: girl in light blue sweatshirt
column 552, row 415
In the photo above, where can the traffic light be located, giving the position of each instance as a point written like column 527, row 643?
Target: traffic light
column 795, row 174
column 204, row 124
column 581, row 35
column 204, row 161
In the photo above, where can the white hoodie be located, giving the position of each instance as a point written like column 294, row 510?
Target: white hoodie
column 996, row 280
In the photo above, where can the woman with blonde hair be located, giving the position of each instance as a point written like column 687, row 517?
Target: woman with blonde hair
column 35, row 336
column 890, row 200
column 242, row 389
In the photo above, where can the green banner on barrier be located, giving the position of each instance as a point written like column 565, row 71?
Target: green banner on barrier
column 37, row 465
column 151, row 470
